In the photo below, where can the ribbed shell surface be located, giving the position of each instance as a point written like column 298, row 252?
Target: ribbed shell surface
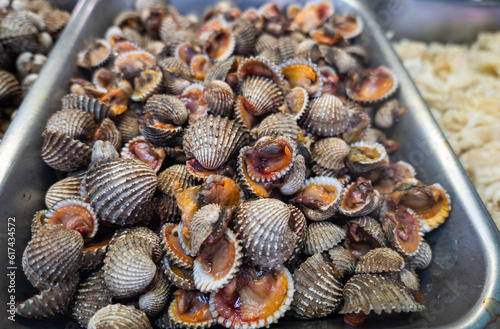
column 326, row 116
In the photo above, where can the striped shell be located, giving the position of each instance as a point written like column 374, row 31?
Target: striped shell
column 421, row 259
column 342, row 260
column 119, row 316
column 330, row 153
column 9, row 86
column 318, row 291
column 322, row 236
column 263, row 95
column 371, row 199
column 365, row 156
column 67, row 188
column 129, row 266
column 388, row 113
column 326, row 116
column 74, row 214
column 175, row 173
column 73, row 123
column 403, row 231
column 64, row 153
column 213, row 140
column 219, row 70
column 260, row 67
column 263, row 228
column 296, row 102
column 91, row 295
column 294, row 179
column 113, row 186
column 154, row 299
column 167, row 109
column 368, row 292
column 219, row 97
column 180, row 277
column 279, row 124
column 380, row 260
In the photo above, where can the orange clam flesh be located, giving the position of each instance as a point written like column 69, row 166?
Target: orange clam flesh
column 195, row 102
column 132, row 63
column 186, row 203
column 253, row 298
column 200, row 65
column 197, row 170
column 141, row 149
column 313, row 16
column 269, row 159
column 347, row 25
column 74, row 215
column 220, row 190
column 190, row 309
column 220, row 45
column 117, row 99
column 145, row 83
column 173, row 245
column 406, row 231
column 372, row 84
column 303, row 75
column 357, row 194
column 316, row 196
column 262, row 189
column 359, row 241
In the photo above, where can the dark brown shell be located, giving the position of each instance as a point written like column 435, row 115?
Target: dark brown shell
column 88, row 104
column 128, row 125
column 322, row 236
column 68, row 188
column 318, row 291
column 369, row 292
column 342, row 260
column 91, row 295
column 64, row 153
column 116, row 198
column 219, row 70
column 244, row 34
column 175, row 173
column 380, row 260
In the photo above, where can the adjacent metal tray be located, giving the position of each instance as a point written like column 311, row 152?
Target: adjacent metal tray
column 460, row 285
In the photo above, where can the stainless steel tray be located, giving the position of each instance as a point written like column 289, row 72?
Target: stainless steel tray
column 463, row 277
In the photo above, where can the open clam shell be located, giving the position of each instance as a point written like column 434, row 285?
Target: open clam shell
column 249, row 186
column 296, row 102
column 219, row 70
column 322, row 236
column 260, row 67
column 421, row 259
column 213, row 140
column 220, row 44
column 304, row 74
column 94, row 251
column 50, row 301
column 360, row 199
column 262, row 94
column 172, row 246
column 119, row 316
column 190, row 309
column 139, row 148
column 129, row 266
column 53, row 255
column 313, row 15
column 74, row 214
column 364, row 234
column 110, row 183
column 326, row 116
column 263, row 228
column 180, row 277
column 380, row 260
column 67, row 188
column 96, row 54
column 175, row 173
column 342, row 260
column 320, row 197
column 388, row 113
column 256, row 307
column 91, row 295
column 403, row 231
column 219, row 97
column 299, row 226
column 365, row 156
column 318, row 290
column 348, row 25
column 369, row 292
column 218, row 264
column 372, row 85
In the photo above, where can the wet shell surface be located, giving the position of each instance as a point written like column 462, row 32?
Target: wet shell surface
column 342, row 260
column 326, row 116
column 364, row 234
column 64, row 189
column 296, row 102
column 167, row 109
column 213, row 140
column 304, row 74
column 64, row 153
column 422, row 258
column 72, row 123
column 262, row 94
column 180, row 277
column 129, row 266
column 112, row 188
column 173, row 246
column 330, row 153
column 219, row 97
column 91, row 295
column 94, row 252
column 260, row 67
column 119, row 316
column 76, row 215
column 139, row 148
column 360, row 199
column 279, row 124
column 175, row 173
column 372, row 85
column 348, row 25
column 364, row 156
column 368, row 292
column 388, row 113
column 322, row 236
column 294, row 179
column 403, row 231
column 155, row 298
column 380, row 260
column 53, row 255
column 318, row 290
column 268, row 239
column 190, row 309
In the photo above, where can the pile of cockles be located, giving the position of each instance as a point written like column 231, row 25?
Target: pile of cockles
column 28, row 30
column 227, row 170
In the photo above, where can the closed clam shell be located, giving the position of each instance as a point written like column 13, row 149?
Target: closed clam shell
column 279, row 124
column 265, row 41
column 64, row 153
column 213, row 140
column 365, row 156
column 113, row 188
column 294, row 179
column 219, row 70
column 318, row 291
column 308, row 49
column 129, row 266
column 299, row 226
column 372, row 227
column 202, row 225
column 219, row 97
column 358, row 125
column 174, row 64
column 326, row 116
column 343, row 61
column 119, row 316
column 38, row 221
column 180, row 277
column 91, row 295
column 94, row 253
column 272, row 55
column 296, row 102
column 19, row 31
column 244, row 34
column 286, row 47
column 51, row 301
column 409, row 279
column 53, row 255
column 263, row 95
column 73, row 123
column 371, row 199
column 421, row 259
column 371, row 292
column 380, row 260
column 128, row 126
column 175, row 173
column 88, row 104
column 330, row 153
column 155, row 298
column 260, row 67
column 67, row 188
column 388, row 113
column 9, row 86
column 157, row 134
column 263, row 228
column 167, row 109
column 326, row 194
column 54, row 19
column 322, row 236
column 342, row 260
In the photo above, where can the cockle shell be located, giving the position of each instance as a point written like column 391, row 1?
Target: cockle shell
column 327, row 190
column 129, row 266
column 94, row 252
column 91, row 295
column 88, row 104
column 219, row 97
column 115, row 197
column 318, row 291
column 9, row 86
column 263, row 228
column 299, row 226
column 305, row 74
column 244, row 34
column 64, row 153
column 388, row 113
column 219, row 70
column 74, row 214
column 95, row 55
column 119, row 316
column 348, row 25
column 260, row 67
column 213, row 140
column 294, row 179
column 203, row 223
column 38, row 221
column 342, row 260
column 67, row 188
column 330, row 153
column 322, row 236
column 172, row 246
column 279, row 124
column 167, row 109
column 326, row 116
column 175, row 173
column 187, row 317
column 365, row 156
column 53, row 299
column 403, row 230
column 421, row 259
column 54, row 19
column 364, row 233
column 371, row 199
column 372, row 85
column 369, row 292
column 180, row 277
column 296, row 102
column 380, row 260
column 265, row 41
column 72, row 123
column 155, row 298
column 139, row 148
column 263, row 95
